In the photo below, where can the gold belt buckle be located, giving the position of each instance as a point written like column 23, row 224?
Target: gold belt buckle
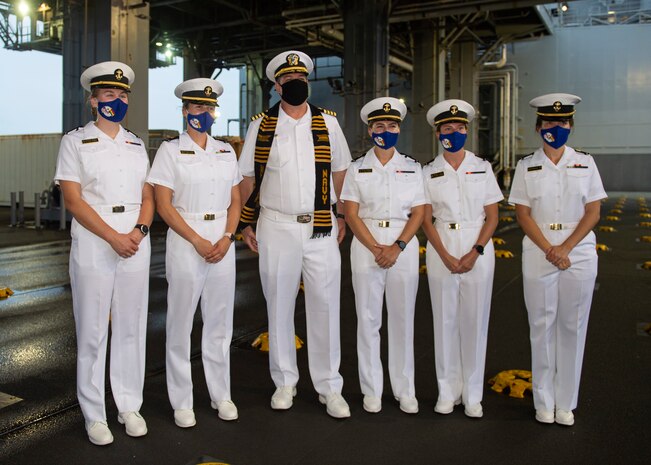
column 209, row 217
column 454, row 226
column 383, row 223
column 304, row 218
column 118, row 209
column 556, row 226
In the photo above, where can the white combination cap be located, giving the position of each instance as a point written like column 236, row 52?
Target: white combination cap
column 108, row 75
column 199, row 90
column 382, row 109
column 291, row 61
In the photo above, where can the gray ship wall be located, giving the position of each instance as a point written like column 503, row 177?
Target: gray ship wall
column 609, row 67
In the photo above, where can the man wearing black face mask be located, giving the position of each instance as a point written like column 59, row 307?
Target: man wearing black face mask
column 294, row 161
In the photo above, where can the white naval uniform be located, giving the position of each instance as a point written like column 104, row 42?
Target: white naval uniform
column 287, row 250
column 202, row 181
column 558, row 302
column 385, row 193
column 460, row 302
column 111, row 173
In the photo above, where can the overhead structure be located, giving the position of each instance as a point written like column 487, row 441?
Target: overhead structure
column 438, row 47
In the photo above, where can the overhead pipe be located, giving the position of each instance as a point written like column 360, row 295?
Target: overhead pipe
column 499, row 63
column 339, row 37
column 507, row 78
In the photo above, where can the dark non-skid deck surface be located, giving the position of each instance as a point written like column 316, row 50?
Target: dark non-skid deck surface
column 613, row 424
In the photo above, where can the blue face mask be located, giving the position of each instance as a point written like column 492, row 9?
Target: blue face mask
column 385, row 140
column 555, row 137
column 114, row 111
column 200, row 122
column 453, row 142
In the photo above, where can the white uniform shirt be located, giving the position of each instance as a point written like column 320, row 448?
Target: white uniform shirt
column 459, row 196
column 384, row 192
column 556, row 193
column 289, row 179
column 201, row 179
column 110, row 171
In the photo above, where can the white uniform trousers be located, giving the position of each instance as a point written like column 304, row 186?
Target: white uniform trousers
column 558, row 305
column 189, row 277
column 400, row 282
column 287, row 251
column 106, row 286
column 461, row 308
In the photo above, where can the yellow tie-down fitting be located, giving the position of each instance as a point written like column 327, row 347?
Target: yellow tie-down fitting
column 515, row 381
column 5, row 292
column 262, row 342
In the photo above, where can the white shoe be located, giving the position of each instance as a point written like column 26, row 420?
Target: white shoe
column 372, row 404
column 134, row 423
column 335, row 404
column 184, row 418
column 226, row 409
column 408, row 404
column 544, row 416
column 445, row 406
column 564, row 417
column 474, row 411
column 99, row 433
column 283, row 398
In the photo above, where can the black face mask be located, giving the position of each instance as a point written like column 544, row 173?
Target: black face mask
column 294, row 92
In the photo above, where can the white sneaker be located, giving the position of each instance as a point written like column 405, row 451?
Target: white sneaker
column 134, row 423
column 408, row 404
column 283, row 398
column 184, row 418
column 99, row 433
column 335, row 404
column 564, row 417
column 474, row 411
column 445, row 406
column 544, row 416
column 372, row 404
column 226, row 409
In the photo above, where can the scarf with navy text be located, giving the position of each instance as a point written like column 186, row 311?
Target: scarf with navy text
column 322, row 156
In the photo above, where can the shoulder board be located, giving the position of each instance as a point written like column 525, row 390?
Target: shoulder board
column 132, row 133
column 527, row 155
column 328, row 112
column 411, row 158
column 74, row 130
column 582, row 152
column 360, row 157
column 168, row 139
column 258, row 116
column 221, row 139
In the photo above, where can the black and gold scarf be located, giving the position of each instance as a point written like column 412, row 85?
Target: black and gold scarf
column 322, row 157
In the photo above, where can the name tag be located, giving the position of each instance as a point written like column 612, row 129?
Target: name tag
column 577, row 165
column 132, row 143
column 437, row 174
column 90, row 141
column 534, row 168
column 187, row 152
column 365, row 170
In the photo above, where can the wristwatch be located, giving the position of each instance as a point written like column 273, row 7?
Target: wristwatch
column 231, row 236
column 479, row 249
column 143, row 228
column 401, row 244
